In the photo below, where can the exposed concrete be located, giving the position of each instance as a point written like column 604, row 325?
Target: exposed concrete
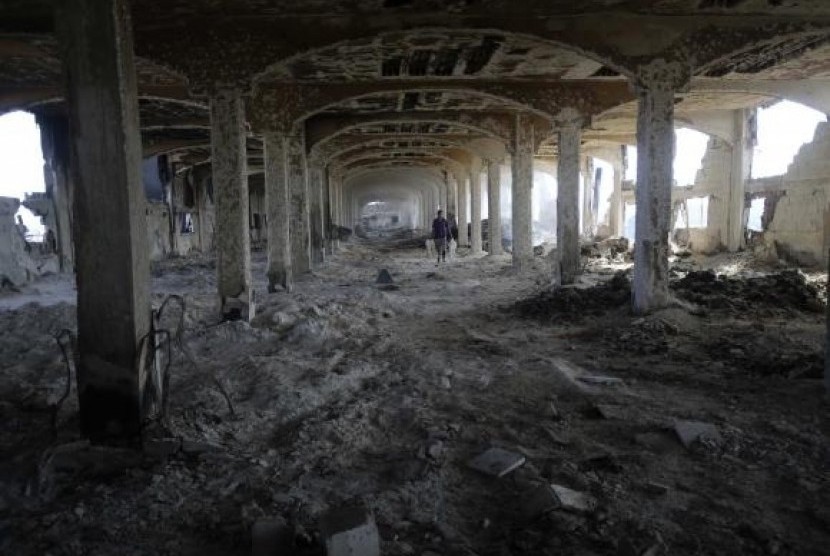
column 463, row 202
column 54, row 141
column 741, row 169
column 522, row 185
column 799, row 226
column 110, row 237
column 230, row 182
column 588, row 223
column 316, row 225
column 494, row 207
column 16, row 267
column 300, row 217
column 475, row 209
column 655, row 157
column 278, row 210
column 616, row 211
column 567, row 202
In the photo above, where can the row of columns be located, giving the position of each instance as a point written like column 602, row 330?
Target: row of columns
column 110, row 226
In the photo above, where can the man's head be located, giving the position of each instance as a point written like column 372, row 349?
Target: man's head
column 440, row 213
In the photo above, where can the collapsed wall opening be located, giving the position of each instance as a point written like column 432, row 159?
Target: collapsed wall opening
column 783, row 128
column 21, row 167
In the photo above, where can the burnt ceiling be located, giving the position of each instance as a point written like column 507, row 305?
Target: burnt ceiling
column 403, row 44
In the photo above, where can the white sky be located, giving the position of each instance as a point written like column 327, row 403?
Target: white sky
column 21, row 162
column 782, row 129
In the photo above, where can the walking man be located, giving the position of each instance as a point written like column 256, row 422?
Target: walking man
column 441, row 235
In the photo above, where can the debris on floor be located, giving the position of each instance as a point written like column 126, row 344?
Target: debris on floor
column 497, row 462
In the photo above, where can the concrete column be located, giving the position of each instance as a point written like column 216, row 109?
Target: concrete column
column 54, row 140
column 452, row 198
column 278, row 208
column 523, row 149
column 316, row 227
column 336, row 184
column 616, row 218
column 300, row 218
column 230, row 185
column 112, row 259
column 463, row 217
column 588, row 199
column 475, row 209
column 328, row 205
column 567, row 202
column 655, row 157
column 741, row 167
column 494, row 206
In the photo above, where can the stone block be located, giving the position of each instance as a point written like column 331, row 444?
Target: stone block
column 497, row 462
column 573, row 500
column 688, row 432
column 350, row 531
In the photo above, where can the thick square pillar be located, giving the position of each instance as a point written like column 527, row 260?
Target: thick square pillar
column 616, row 211
column 300, row 210
column 655, row 158
column 463, row 217
column 522, row 166
column 475, row 209
column 230, row 185
column 316, row 227
column 328, row 207
column 112, row 259
column 567, row 202
column 494, row 207
column 741, row 167
column 452, row 200
column 278, row 207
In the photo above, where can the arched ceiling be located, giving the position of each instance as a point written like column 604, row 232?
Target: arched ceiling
column 439, row 53
column 452, row 73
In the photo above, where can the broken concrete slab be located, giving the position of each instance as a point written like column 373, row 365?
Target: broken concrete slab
column 350, row 531
column 689, row 432
column 601, row 380
column 573, row 500
column 609, row 412
column 548, row 497
column 271, row 536
column 538, row 502
column 497, row 462
column 384, row 277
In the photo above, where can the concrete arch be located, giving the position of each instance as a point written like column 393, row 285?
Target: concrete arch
column 738, row 44
column 596, row 55
column 371, row 142
column 318, row 133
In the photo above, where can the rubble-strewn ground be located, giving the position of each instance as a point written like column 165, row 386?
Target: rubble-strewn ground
column 344, row 391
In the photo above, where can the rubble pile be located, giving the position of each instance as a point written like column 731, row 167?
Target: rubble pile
column 573, row 303
column 783, row 291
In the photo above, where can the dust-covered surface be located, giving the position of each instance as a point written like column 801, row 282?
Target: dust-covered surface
column 344, row 391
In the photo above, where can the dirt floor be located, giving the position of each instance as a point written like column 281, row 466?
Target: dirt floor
column 349, row 391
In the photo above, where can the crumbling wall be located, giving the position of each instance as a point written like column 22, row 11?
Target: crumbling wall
column 799, row 230
column 16, row 267
column 712, row 181
column 158, row 230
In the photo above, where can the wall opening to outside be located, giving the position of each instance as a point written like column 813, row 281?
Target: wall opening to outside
column 692, row 213
column 756, row 214
column 690, row 148
column 21, row 165
column 782, row 130
column 544, row 207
